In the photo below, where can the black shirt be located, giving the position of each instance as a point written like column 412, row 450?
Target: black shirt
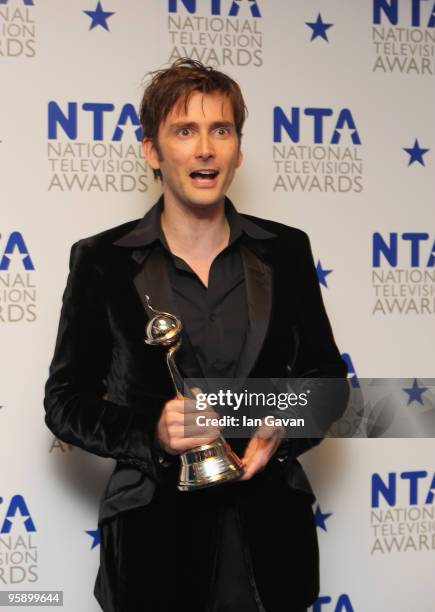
column 214, row 318
column 215, row 323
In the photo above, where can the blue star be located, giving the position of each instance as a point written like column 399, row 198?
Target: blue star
column 322, row 274
column 96, row 535
column 99, row 17
column 415, row 392
column 320, row 518
column 416, row 153
column 319, row 28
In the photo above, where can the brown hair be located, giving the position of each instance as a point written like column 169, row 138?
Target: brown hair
column 176, row 84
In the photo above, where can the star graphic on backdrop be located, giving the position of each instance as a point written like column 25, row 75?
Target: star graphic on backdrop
column 322, row 274
column 99, row 17
column 95, row 534
column 415, row 392
column 345, row 132
column 416, row 153
column 321, row 517
column 126, row 131
column 319, row 28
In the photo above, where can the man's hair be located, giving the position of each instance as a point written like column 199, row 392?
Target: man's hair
column 174, row 85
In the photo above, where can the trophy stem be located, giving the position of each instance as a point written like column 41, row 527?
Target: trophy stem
column 177, row 379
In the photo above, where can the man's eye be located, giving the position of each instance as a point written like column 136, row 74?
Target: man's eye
column 184, row 131
column 222, row 131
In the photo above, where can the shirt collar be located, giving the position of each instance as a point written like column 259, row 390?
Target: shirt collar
column 149, row 230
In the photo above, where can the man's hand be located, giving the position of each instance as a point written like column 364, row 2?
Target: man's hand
column 260, row 449
column 177, row 429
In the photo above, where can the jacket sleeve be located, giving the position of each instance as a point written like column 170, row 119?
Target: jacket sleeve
column 317, row 357
column 76, row 410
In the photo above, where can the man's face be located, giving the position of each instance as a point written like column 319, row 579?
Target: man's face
column 197, row 151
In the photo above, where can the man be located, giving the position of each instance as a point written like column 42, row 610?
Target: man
column 247, row 294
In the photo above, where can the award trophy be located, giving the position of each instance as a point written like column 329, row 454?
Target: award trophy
column 208, row 464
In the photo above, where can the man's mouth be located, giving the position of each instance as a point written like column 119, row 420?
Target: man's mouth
column 204, row 175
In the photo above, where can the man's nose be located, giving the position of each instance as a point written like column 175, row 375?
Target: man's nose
column 205, row 148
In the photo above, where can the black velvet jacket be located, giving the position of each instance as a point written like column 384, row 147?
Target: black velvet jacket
column 106, row 387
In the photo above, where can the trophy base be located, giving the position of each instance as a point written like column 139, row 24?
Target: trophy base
column 209, row 465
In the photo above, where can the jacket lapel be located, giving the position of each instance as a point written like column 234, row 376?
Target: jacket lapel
column 259, row 287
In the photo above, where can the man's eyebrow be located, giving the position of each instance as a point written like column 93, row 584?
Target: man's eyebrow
column 178, row 124
column 193, row 124
column 223, row 124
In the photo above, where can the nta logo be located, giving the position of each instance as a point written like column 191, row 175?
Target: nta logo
column 17, row 504
column 389, row 249
column 16, row 241
column 408, row 485
column 389, row 9
column 215, row 6
column 25, row 2
column 69, row 121
column 343, row 604
column 291, row 124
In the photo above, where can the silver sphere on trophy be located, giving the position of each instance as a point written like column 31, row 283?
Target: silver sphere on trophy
column 208, row 464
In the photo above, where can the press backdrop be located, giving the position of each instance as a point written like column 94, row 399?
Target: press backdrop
column 340, row 142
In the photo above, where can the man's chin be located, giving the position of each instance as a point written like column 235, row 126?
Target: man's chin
column 204, row 200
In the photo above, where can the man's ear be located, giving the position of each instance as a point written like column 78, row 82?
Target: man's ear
column 150, row 154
